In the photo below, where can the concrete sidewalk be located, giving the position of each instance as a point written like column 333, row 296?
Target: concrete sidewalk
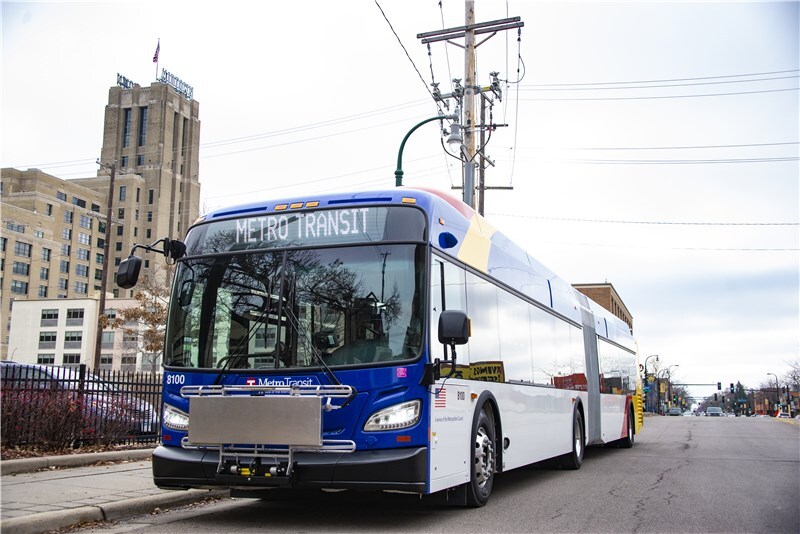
column 40, row 501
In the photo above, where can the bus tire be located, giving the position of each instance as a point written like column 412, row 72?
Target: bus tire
column 627, row 441
column 484, row 458
column 574, row 459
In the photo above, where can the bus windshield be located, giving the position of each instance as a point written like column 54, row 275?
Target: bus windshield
column 270, row 309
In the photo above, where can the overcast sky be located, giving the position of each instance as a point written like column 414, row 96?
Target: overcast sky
column 653, row 145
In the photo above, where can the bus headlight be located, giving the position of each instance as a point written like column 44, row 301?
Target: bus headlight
column 394, row 417
column 175, row 419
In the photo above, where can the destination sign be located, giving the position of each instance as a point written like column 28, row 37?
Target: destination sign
column 308, row 228
column 303, row 226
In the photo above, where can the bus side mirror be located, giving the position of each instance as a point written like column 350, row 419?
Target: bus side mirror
column 174, row 249
column 128, row 272
column 454, row 327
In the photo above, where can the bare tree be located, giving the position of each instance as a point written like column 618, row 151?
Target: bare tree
column 146, row 322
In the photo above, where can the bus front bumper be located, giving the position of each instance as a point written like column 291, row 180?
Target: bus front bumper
column 389, row 469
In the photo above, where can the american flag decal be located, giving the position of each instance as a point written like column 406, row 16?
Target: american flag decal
column 440, row 399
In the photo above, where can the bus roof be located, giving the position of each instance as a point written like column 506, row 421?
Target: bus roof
column 459, row 231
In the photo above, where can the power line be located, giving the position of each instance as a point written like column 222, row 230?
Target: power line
column 408, row 56
column 669, row 79
column 664, row 97
column 677, row 223
column 535, row 88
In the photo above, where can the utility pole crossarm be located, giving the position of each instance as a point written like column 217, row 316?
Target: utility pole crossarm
column 477, row 29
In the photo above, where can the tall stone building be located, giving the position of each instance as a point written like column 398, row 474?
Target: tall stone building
column 53, row 230
column 153, row 135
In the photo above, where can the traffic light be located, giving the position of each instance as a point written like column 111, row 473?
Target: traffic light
column 719, row 386
column 723, row 399
column 715, row 397
column 675, row 399
column 732, row 388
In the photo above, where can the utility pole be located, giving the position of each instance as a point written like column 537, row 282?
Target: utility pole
column 102, row 305
column 465, row 101
column 469, row 103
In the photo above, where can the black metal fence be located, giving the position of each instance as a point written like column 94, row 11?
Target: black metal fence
column 61, row 407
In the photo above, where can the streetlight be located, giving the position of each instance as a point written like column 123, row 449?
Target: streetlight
column 646, row 397
column 398, row 174
column 777, row 392
column 669, row 381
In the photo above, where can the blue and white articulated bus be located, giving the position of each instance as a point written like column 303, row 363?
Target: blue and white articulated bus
column 379, row 340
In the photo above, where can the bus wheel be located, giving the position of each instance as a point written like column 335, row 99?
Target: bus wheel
column 484, row 457
column 574, row 459
column 627, row 441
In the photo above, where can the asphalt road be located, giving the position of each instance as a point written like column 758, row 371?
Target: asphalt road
column 684, row 474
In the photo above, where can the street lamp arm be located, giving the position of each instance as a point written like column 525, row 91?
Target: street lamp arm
column 398, row 174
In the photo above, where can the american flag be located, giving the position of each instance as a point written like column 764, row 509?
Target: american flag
column 440, row 401
column 158, row 49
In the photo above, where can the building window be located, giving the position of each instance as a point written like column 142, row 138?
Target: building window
column 38, row 233
column 43, row 292
column 126, row 127
column 138, row 194
column 79, row 202
column 121, row 213
column 82, row 288
column 66, row 233
column 116, row 261
column 47, row 340
column 21, row 249
column 46, row 252
column 18, row 287
column 118, row 246
column 101, row 227
column 128, row 360
column 106, row 359
column 101, row 242
column 75, row 313
column 71, row 359
column 98, row 274
column 16, row 227
column 95, row 207
column 142, row 126
column 98, row 258
column 108, row 340
column 147, row 233
column 73, row 337
column 86, row 222
column 22, row 269
column 3, row 244
column 150, row 193
column 48, row 210
column 63, row 267
column 139, row 160
column 46, row 359
column 84, row 239
column 68, row 215
column 119, row 230
column 63, row 283
column 61, row 196
column 123, row 162
column 44, row 273
column 65, row 249
column 82, row 270
column 123, row 192
column 83, row 254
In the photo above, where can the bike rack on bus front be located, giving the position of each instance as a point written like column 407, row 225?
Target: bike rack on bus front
column 258, row 422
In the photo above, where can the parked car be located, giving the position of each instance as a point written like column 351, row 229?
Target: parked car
column 102, row 401
column 675, row 411
column 784, row 415
column 714, row 411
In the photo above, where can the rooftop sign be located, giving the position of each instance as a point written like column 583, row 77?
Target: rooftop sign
column 176, row 83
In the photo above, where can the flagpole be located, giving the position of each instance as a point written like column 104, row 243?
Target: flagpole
column 155, row 57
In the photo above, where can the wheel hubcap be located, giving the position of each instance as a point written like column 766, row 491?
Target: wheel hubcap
column 578, row 440
column 484, row 457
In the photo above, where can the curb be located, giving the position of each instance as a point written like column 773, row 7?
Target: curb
column 29, row 465
column 54, row 520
